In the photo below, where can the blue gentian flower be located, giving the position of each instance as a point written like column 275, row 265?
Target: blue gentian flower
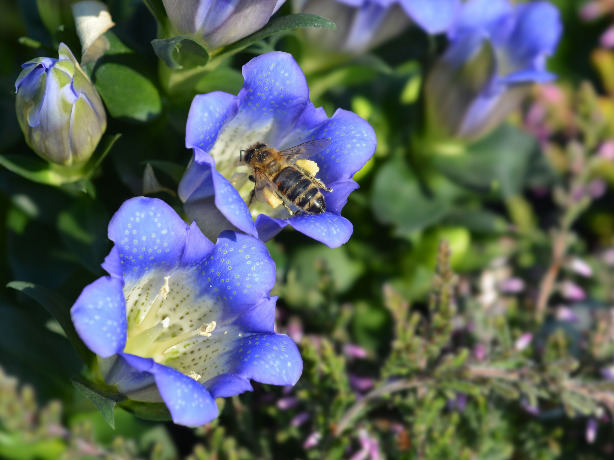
column 59, row 109
column 272, row 107
column 364, row 24
column 220, row 22
column 496, row 50
column 181, row 320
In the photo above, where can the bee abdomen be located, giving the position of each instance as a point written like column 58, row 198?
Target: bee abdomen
column 299, row 190
column 317, row 204
column 287, row 178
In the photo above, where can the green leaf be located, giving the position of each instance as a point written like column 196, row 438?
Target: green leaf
column 83, row 229
column 103, row 149
column 399, row 200
column 181, row 52
column 499, row 162
column 147, row 411
column 122, row 79
column 34, row 169
column 59, row 308
column 175, row 171
column 104, row 397
column 289, row 22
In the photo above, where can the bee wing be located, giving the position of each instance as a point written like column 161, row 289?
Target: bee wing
column 262, row 183
column 306, row 149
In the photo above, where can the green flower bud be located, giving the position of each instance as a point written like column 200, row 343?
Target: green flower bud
column 59, row 109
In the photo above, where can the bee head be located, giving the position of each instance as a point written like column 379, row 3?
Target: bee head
column 249, row 153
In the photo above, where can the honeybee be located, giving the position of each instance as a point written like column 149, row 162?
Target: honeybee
column 287, row 177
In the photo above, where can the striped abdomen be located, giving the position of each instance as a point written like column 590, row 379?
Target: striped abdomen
column 300, row 190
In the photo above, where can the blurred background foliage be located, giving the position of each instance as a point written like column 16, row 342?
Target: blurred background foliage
column 471, row 315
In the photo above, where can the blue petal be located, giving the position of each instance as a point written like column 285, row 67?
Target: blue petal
column 112, row 264
column 134, row 383
column 99, row 316
column 197, row 246
column 227, row 385
column 268, row 227
column 188, row 401
column 336, row 200
column 239, row 272
column 352, row 145
column 434, row 16
column 211, row 200
column 233, row 20
column 208, row 115
column 261, row 318
column 482, row 14
column 275, row 92
column 537, row 32
column 148, row 235
column 328, row 228
column 527, row 76
column 267, row 358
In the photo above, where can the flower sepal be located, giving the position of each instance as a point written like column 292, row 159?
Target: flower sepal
column 71, row 178
column 106, row 398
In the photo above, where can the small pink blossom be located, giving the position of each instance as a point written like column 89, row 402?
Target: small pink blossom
column 361, row 384
column 287, row 403
column 580, row 267
column 523, row 341
column 606, row 150
column 607, row 39
column 564, row 313
column 354, row 351
column 591, row 430
column 512, row 286
column 299, row 419
column 312, row 440
column 572, row 291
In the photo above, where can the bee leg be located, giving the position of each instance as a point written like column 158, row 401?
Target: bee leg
column 252, row 178
column 251, row 197
column 321, row 185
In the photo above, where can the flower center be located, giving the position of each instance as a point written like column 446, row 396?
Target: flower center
column 167, row 325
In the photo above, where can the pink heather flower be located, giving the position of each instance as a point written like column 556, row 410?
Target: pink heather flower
column 591, row 10
column 564, row 313
column 354, row 351
column 479, row 351
column 606, row 150
column 512, row 286
column 580, row 267
column 607, row 39
column 533, row 410
column 299, row 419
column 608, row 373
column 523, row 341
column 312, row 440
column 361, row 384
column 608, row 256
column 287, row 403
column 597, row 188
column 572, row 291
column 591, row 430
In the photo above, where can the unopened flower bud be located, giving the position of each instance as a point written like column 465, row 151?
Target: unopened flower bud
column 59, row 109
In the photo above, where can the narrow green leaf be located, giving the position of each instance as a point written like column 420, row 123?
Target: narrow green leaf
column 103, row 149
column 32, row 168
column 148, row 411
column 180, row 52
column 59, row 308
column 83, row 229
column 289, row 22
column 103, row 397
column 174, row 170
